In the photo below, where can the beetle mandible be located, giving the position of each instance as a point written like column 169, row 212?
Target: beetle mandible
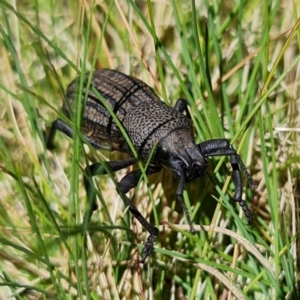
column 148, row 122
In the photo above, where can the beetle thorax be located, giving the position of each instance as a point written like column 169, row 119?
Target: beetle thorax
column 149, row 123
column 179, row 152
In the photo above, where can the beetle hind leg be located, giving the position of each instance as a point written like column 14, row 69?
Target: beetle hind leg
column 58, row 124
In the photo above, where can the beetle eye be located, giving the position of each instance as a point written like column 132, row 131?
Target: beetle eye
column 163, row 154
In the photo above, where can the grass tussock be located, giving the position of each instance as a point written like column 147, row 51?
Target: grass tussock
column 237, row 63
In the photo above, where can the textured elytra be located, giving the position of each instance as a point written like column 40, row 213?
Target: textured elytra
column 146, row 119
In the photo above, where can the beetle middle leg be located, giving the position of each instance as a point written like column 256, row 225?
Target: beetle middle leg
column 222, row 147
column 99, row 169
column 127, row 182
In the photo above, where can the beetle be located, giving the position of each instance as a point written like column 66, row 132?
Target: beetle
column 149, row 123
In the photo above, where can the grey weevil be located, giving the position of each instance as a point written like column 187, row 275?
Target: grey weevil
column 148, row 122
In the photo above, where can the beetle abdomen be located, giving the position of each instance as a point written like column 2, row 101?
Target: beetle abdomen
column 122, row 93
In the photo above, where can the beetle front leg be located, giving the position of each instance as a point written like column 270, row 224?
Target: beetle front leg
column 222, row 147
column 179, row 196
column 234, row 159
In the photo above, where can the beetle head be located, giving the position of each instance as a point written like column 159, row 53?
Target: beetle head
column 179, row 152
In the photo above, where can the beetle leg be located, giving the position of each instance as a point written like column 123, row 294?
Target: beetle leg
column 179, row 196
column 57, row 125
column 60, row 125
column 129, row 181
column 99, row 169
column 181, row 105
column 222, row 147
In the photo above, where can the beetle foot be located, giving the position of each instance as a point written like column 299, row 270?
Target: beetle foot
column 246, row 210
column 149, row 245
column 192, row 229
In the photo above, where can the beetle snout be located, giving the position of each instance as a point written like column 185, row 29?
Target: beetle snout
column 196, row 166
